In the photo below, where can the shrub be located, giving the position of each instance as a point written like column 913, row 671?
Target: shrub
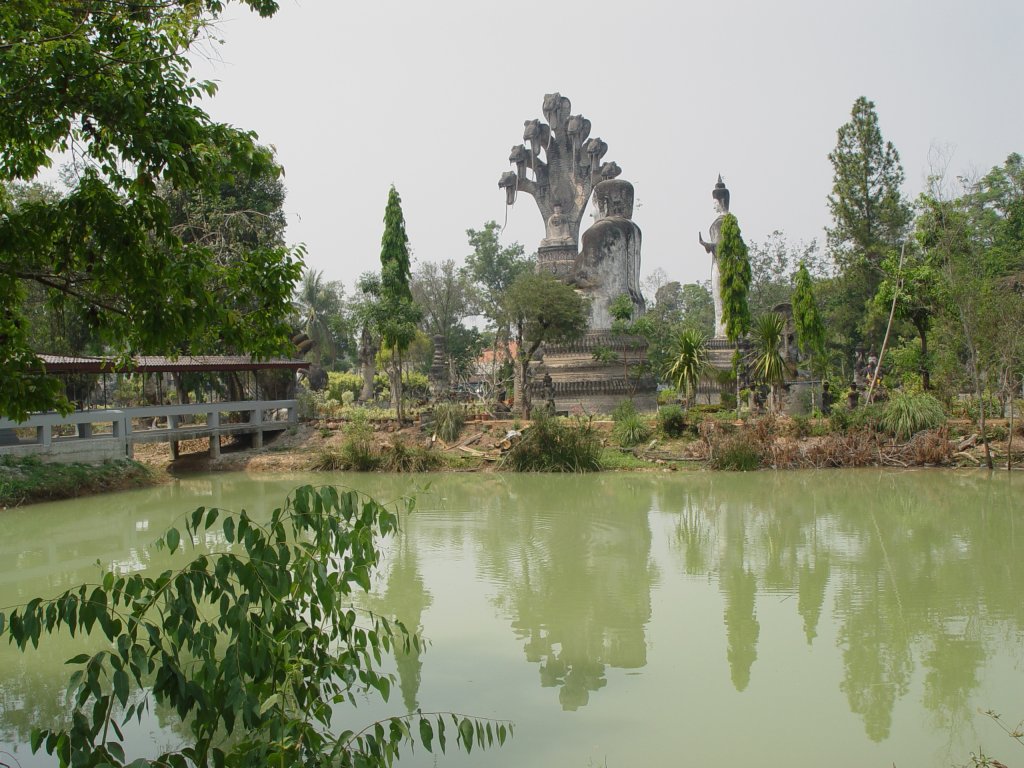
column 668, row 396
column 737, row 452
column 671, row 421
column 864, row 417
column 357, row 452
column 449, row 419
column 340, row 383
column 399, row 456
column 907, row 413
column 631, row 430
column 801, row 426
column 553, row 446
column 966, row 407
column 625, row 409
column 318, row 405
column 328, row 460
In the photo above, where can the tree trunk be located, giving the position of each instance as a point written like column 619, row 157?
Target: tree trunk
column 1009, row 439
column 367, row 355
column 521, row 393
column 922, row 332
column 395, row 375
column 981, row 406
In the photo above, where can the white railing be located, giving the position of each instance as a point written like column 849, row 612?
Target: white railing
column 181, row 422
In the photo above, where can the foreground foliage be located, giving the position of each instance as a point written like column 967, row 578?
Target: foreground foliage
column 257, row 640
column 109, row 85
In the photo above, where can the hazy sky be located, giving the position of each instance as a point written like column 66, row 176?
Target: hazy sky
column 430, row 96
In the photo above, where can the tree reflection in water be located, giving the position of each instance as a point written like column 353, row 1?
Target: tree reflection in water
column 916, row 577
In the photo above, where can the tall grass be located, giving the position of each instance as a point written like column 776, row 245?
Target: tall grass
column 631, row 430
column 449, row 419
column 907, row 413
column 551, row 445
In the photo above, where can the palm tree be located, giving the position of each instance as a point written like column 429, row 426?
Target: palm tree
column 688, row 362
column 314, row 301
column 768, row 365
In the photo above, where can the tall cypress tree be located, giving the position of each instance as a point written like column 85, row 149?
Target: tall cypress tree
column 395, row 268
column 735, row 275
column 810, row 331
column 398, row 315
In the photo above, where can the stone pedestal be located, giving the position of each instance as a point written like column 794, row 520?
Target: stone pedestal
column 583, row 384
column 559, row 260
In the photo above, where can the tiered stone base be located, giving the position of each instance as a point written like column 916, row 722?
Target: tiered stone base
column 582, row 384
column 720, row 354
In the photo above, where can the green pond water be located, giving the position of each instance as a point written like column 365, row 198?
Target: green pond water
column 854, row 618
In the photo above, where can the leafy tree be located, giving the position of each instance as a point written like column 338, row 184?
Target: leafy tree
column 974, row 241
column 688, row 362
column 447, row 296
column 868, row 211
column 257, row 639
column 734, row 267
column 627, row 330
column 111, row 87
column 916, row 288
column 870, row 219
column 810, row 332
column 494, row 268
column 398, row 315
column 772, row 263
column 539, row 308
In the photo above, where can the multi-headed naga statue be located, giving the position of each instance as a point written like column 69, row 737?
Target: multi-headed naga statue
column 558, row 164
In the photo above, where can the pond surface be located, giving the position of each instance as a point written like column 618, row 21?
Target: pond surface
column 849, row 618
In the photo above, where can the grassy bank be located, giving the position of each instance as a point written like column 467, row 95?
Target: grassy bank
column 27, row 479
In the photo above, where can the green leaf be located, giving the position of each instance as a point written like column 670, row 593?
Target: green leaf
column 79, row 659
column 121, row 686
column 173, row 538
column 426, row 734
column 229, row 529
column 269, row 702
column 466, row 734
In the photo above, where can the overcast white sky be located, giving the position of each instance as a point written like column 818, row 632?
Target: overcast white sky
column 430, row 96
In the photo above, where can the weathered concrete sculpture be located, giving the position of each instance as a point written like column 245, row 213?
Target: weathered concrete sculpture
column 721, row 197
column 608, row 265
column 558, row 165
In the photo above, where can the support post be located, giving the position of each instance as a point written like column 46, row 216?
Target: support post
column 256, row 419
column 213, row 421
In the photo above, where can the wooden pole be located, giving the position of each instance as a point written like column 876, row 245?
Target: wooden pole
column 888, row 327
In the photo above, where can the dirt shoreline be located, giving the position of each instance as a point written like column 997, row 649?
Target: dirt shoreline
column 475, row 450
column 480, row 447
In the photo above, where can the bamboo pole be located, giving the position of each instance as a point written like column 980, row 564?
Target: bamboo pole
column 888, row 327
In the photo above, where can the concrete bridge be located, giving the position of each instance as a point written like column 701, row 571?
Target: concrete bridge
column 102, row 434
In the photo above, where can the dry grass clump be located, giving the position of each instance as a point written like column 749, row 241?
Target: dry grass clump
column 857, row 449
column 930, row 447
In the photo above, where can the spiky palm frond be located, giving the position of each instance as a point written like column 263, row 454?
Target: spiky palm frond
column 688, row 362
